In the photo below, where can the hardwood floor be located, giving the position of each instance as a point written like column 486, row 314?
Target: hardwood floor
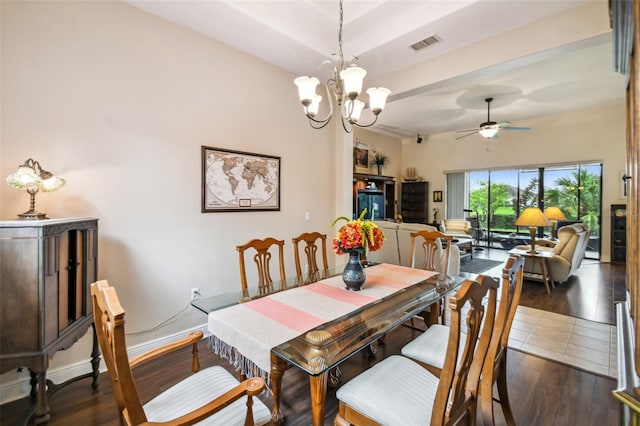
column 542, row 392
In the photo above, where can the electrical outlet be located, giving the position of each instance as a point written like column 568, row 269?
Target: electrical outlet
column 195, row 293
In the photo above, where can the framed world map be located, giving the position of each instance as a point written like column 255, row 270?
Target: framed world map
column 234, row 181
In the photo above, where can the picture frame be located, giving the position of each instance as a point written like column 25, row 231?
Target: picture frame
column 361, row 156
column 437, row 196
column 238, row 181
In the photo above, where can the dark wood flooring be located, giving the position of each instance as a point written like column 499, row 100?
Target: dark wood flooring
column 542, row 392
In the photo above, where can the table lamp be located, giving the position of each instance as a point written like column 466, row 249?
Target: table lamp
column 532, row 217
column 554, row 214
column 33, row 178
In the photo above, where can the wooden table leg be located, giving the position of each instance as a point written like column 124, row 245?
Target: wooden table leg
column 545, row 274
column 278, row 367
column 318, row 385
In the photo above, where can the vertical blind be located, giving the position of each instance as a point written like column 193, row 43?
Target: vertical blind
column 455, row 199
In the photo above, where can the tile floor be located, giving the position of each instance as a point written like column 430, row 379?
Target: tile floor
column 584, row 344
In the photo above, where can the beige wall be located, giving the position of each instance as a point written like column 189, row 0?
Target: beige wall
column 119, row 102
column 588, row 135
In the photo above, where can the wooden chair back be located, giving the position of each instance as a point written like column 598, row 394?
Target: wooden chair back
column 495, row 366
column 313, row 241
column 459, row 380
column 108, row 316
column 431, row 248
column 262, row 259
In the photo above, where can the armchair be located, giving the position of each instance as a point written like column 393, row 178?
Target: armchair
column 568, row 253
column 211, row 394
column 457, row 228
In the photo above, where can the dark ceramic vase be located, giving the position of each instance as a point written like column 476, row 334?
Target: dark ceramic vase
column 353, row 274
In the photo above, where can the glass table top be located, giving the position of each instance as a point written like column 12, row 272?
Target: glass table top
column 210, row 304
column 326, row 346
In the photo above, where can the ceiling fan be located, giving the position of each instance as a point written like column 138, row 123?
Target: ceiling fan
column 489, row 129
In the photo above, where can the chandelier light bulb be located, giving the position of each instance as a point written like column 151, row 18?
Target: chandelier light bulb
column 314, row 106
column 377, row 98
column 352, row 78
column 353, row 110
column 306, row 88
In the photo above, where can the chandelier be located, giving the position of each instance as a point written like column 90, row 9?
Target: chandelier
column 344, row 87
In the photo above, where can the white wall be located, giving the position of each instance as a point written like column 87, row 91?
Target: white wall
column 119, row 103
column 589, row 135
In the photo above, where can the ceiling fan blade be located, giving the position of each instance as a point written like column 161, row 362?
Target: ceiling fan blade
column 504, row 124
column 516, row 128
column 468, row 130
column 473, row 132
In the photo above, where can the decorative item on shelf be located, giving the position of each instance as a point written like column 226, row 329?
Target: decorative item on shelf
column 31, row 177
column 344, row 88
column 356, row 237
column 533, row 218
column 380, row 160
column 554, row 214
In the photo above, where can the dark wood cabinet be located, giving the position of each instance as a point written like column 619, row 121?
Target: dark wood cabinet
column 46, row 269
column 618, row 233
column 414, row 202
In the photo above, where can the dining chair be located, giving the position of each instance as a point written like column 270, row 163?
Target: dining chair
column 430, row 348
column 211, row 394
column 313, row 241
column 399, row 391
column 432, row 257
column 262, row 259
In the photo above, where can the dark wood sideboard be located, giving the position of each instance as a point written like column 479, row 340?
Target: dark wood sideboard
column 46, row 269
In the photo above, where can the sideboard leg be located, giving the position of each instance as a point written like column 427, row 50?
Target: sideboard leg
column 95, row 359
column 42, row 410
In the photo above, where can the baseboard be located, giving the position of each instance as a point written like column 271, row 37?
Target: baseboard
column 20, row 388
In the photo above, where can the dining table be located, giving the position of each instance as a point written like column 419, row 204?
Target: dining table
column 313, row 322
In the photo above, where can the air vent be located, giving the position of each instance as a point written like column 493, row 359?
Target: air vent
column 429, row 41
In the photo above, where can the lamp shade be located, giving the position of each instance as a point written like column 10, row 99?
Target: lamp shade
column 352, row 78
column 554, row 213
column 532, row 216
column 377, row 98
column 353, row 110
column 306, row 88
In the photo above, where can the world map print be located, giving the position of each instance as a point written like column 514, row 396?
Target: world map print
column 241, row 181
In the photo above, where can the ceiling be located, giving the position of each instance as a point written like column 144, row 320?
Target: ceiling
column 523, row 53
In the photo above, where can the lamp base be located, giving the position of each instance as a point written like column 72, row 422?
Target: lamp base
column 32, row 215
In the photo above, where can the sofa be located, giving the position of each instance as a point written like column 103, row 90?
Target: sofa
column 397, row 246
column 568, row 252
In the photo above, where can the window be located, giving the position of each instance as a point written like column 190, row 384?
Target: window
column 498, row 197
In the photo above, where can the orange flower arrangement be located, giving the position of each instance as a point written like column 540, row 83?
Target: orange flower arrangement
column 357, row 235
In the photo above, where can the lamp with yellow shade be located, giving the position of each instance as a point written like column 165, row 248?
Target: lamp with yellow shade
column 554, row 214
column 532, row 217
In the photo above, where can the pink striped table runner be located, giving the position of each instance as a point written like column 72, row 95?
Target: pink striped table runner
column 245, row 333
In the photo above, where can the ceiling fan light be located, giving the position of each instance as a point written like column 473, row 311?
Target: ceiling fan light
column 306, row 88
column 377, row 98
column 488, row 132
column 352, row 78
column 353, row 109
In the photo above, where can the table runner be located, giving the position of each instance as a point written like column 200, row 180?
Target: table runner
column 245, row 333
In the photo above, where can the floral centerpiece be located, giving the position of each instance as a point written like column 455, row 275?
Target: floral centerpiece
column 355, row 237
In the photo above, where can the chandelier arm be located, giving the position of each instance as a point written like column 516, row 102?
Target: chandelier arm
column 367, row 125
column 344, row 125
